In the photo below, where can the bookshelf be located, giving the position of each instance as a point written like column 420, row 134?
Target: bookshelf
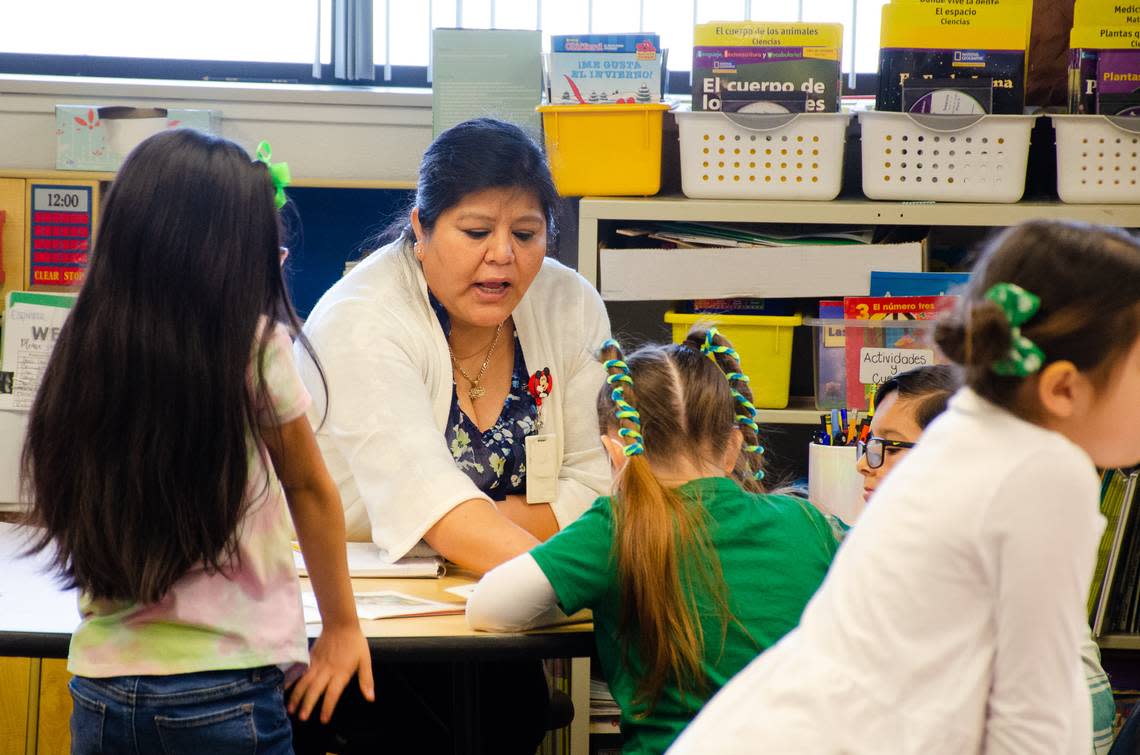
column 593, row 211
column 865, row 212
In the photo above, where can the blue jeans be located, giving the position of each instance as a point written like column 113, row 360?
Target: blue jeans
column 215, row 712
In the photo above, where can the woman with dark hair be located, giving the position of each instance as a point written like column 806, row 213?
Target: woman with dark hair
column 437, row 435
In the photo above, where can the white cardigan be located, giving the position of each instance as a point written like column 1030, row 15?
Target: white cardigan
column 389, row 377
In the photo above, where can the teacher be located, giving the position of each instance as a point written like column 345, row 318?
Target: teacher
column 460, row 364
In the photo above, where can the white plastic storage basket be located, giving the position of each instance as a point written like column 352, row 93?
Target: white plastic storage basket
column 1098, row 158
column 761, row 156
column 950, row 158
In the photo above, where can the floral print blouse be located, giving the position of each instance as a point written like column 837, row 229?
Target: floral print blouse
column 495, row 460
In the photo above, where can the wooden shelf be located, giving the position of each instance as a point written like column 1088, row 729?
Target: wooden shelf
column 801, row 411
column 1119, row 642
column 854, row 211
column 859, row 212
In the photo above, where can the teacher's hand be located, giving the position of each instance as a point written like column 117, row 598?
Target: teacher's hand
column 477, row 536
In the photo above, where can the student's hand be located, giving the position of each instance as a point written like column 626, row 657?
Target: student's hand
column 336, row 655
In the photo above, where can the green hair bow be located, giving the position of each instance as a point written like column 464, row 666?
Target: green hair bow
column 278, row 173
column 1024, row 358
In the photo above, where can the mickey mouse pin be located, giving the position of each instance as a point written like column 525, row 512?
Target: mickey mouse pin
column 540, row 386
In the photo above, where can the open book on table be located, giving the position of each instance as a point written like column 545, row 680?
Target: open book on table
column 364, row 561
column 385, row 604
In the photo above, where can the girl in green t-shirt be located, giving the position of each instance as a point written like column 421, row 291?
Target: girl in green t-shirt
column 690, row 568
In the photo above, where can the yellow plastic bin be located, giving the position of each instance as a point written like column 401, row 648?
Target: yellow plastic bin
column 764, row 343
column 604, row 150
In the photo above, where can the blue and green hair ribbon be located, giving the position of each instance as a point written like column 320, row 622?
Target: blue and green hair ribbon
column 745, row 409
column 635, row 445
column 278, row 174
column 1024, row 357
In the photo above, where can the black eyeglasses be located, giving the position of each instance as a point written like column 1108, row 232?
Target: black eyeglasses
column 875, row 449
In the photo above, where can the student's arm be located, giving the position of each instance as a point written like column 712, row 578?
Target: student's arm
column 1044, row 526
column 567, row 573
column 513, row 597
column 341, row 649
column 477, row 536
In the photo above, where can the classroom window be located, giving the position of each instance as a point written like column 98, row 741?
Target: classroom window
column 281, row 39
column 277, row 31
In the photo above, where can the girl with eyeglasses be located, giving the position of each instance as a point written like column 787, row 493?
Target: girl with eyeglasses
column 904, row 406
column 952, row 617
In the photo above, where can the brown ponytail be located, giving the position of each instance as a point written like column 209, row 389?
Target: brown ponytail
column 685, row 410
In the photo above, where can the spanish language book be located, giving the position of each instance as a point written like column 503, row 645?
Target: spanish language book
column 767, row 67
column 963, row 57
column 597, row 69
column 889, row 346
column 1104, row 58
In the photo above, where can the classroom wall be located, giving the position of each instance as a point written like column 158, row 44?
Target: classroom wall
column 332, row 132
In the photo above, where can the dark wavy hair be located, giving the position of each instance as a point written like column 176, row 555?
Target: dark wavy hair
column 1088, row 279
column 139, row 441
column 472, row 156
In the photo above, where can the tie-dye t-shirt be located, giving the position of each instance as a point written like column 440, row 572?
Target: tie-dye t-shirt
column 249, row 614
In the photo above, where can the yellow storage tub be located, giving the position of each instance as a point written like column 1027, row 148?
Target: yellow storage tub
column 764, row 343
column 604, row 150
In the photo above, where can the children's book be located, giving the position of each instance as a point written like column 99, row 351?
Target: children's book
column 596, row 69
column 939, row 56
column 831, row 348
column 762, row 67
column 385, row 604
column 888, row 345
column 1116, row 577
column 890, row 283
column 1113, row 486
column 486, row 72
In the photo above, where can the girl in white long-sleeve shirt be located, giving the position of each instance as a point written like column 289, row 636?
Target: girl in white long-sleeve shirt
column 951, row 619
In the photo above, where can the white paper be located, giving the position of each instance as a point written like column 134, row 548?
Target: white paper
column 463, row 591
column 877, row 365
column 30, row 333
column 364, row 561
column 386, row 604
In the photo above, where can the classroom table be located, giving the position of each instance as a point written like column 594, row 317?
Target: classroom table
column 37, row 617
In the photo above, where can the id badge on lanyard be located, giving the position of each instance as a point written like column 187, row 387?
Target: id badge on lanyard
column 541, row 448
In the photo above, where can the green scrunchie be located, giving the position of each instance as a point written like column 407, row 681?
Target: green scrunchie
column 278, row 173
column 1019, row 305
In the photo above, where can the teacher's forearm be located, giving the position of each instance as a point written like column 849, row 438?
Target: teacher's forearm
column 538, row 519
column 477, row 536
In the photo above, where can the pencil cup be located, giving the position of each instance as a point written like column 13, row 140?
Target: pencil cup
column 834, row 484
